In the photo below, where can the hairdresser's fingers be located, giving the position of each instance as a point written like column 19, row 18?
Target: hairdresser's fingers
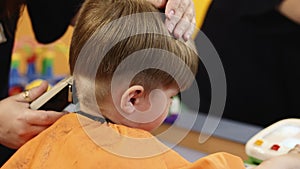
column 177, row 10
column 34, row 130
column 186, row 26
column 41, row 117
column 32, row 94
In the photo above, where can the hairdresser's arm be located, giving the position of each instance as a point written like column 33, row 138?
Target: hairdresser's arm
column 290, row 9
column 287, row 161
column 18, row 123
column 180, row 16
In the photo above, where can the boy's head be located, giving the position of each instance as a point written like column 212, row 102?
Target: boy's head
column 123, row 57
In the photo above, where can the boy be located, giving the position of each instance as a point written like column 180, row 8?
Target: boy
column 126, row 68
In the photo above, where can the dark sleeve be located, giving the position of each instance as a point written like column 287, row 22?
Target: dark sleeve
column 256, row 7
column 51, row 18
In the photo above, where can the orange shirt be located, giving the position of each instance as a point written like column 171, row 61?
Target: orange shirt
column 75, row 141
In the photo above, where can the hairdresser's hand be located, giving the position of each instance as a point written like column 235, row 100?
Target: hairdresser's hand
column 290, row 9
column 180, row 16
column 286, row 161
column 18, row 123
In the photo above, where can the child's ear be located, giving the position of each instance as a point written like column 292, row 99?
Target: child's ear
column 130, row 97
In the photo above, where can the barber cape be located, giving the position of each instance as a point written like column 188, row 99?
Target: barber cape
column 78, row 142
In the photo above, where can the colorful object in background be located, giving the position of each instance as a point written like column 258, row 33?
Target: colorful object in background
column 32, row 63
column 16, row 82
column 274, row 140
column 47, row 67
column 174, row 111
column 31, row 73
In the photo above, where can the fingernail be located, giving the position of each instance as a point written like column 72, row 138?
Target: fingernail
column 186, row 37
column 172, row 12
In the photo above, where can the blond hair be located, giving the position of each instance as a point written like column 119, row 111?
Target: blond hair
column 95, row 15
